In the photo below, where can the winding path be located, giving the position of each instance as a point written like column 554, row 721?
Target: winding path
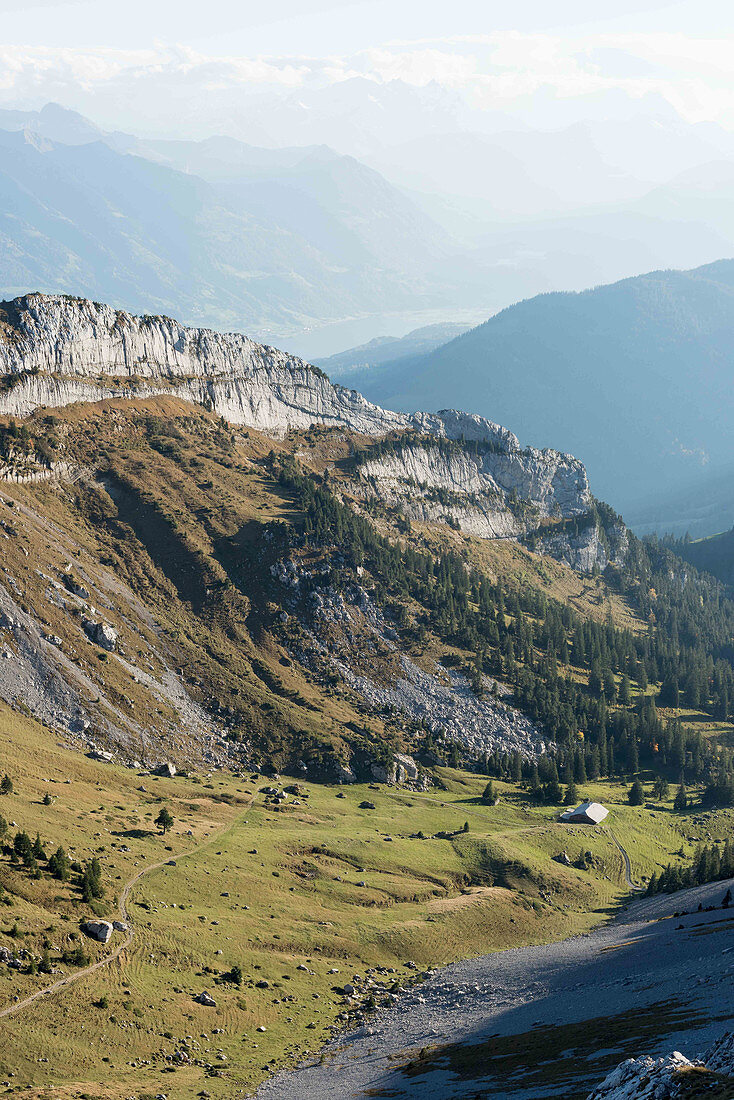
column 123, row 916
column 627, row 865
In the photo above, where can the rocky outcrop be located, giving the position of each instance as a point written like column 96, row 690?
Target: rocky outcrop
column 102, row 634
column 672, row 1076
column 496, row 492
column 56, row 350
column 593, row 547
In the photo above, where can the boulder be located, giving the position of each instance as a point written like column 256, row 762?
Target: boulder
column 384, row 773
column 166, row 769
column 205, row 998
column 102, row 634
column 101, row 755
column 99, row 930
column 406, row 767
column 366, row 805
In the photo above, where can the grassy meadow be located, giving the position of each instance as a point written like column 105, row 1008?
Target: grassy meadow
column 301, row 897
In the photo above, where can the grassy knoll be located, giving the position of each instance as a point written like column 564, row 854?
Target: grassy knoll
column 287, row 894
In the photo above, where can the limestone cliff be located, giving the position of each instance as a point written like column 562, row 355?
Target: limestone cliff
column 56, row 350
column 495, row 491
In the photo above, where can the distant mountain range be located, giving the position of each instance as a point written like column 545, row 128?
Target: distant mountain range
column 267, row 240
column 384, row 349
column 284, row 241
column 635, row 378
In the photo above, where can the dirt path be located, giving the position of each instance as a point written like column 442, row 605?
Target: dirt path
column 627, row 865
column 123, row 915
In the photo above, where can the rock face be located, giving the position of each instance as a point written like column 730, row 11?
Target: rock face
column 588, row 549
column 56, row 350
column 498, row 492
column 665, row 1078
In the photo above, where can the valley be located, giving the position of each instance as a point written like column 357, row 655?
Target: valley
column 295, row 689
column 304, row 896
column 366, row 550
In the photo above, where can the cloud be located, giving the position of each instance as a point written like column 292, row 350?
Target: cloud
column 498, row 71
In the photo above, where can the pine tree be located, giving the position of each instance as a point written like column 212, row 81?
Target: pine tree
column 680, row 802
column 91, row 882
column 636, row 794
column 164, row 821
column 488, row 795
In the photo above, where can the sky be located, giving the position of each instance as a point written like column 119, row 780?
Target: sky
column 174, row 66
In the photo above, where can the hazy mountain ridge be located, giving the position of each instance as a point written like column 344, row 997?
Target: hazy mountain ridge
column 633, row 377
column 231, row 234
column 385, row 349
column 326, row 238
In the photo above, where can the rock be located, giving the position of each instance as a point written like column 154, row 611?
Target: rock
column 120, row 926
column 348, row 989
column 384, row 773
column 99, row 930
column 76, row 587
column 102, row 634
column 406, row 767
column 206, row 998
column 101, row 755
column 344, row 774
column 365, row 805
column 165, row 769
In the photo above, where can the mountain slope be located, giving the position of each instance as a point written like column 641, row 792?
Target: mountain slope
column 634, row 377
column 385, row 349
column 232, row 511
column 711, row 555
column 323, row 238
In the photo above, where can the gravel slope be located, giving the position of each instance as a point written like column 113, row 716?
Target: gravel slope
column 648, row 984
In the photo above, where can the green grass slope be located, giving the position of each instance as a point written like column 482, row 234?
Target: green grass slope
column 304, row 896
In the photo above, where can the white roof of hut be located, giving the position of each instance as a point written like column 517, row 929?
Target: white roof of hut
column 588, row 813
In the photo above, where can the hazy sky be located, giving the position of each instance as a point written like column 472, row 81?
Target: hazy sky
column 335, row 26
column 151, row 65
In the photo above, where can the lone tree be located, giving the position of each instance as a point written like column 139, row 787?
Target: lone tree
column 488, row 796
column 660, row 787
column 680, row 802
column 6, row 785
column 636, row 795
column 164, row 821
